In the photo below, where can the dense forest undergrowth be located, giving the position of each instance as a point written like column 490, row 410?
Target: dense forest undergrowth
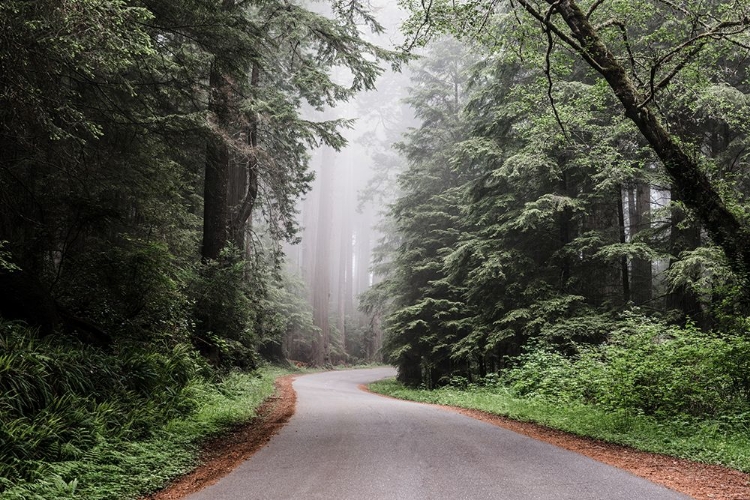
column 82, row 423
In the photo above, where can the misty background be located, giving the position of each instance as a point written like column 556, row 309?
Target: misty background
column 340, row 217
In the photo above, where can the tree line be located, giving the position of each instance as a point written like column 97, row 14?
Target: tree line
column 151, row 152
column 576, row 164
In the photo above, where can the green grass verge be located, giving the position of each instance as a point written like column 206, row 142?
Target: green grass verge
column 127, row 470
column 703, row 441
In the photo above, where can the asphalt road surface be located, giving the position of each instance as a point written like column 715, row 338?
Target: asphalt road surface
column 343, row 443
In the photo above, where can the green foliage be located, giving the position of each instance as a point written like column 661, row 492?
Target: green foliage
column 61, row 398
column 286, row 323
column 120, row 467
column 704, row 271
column 426, row 310
column 225, row 311
column 644, row 367
column 6, row 263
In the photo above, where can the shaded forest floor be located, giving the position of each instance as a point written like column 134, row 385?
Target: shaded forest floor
column 700, row 481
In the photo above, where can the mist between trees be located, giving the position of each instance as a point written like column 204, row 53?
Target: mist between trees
column 190, row 187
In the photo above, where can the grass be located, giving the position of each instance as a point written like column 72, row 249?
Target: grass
column 704, row 441
column 120, row 469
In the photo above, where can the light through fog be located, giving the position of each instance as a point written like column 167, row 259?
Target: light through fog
column 340, row 215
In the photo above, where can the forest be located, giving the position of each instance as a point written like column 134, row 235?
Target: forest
column 545, row 196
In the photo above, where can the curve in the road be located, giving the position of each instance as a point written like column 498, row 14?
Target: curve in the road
column 344, row 443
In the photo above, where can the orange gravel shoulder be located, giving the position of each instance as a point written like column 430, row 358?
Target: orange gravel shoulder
column 697, row 480
column 700, row 481
column 222, row 455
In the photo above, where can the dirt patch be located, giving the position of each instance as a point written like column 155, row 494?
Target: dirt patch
column 222, row 455
column 700, row 481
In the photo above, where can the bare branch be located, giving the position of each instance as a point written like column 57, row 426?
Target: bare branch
column 668, row 78
column 626, row 41
column 696, row 44
column 717, row 32
column 489, row 10
column 548, row 65
column 425, row 24
column 560, row 34
column 593, row 8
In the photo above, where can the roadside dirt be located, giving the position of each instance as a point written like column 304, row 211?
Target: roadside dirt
column 221, row 455
column 700, row 481
column 697, row 480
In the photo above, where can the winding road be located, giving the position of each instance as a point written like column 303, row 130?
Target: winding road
column 344, row 443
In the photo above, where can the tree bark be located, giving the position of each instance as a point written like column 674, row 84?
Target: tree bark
column 642, row 274
column 242, row 208
column 624, row 271
column 216, row 184
column 322, row 274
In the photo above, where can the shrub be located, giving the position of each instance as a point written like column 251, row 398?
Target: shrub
column 646, row 367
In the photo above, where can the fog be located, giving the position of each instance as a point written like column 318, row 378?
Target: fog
column 340, row 214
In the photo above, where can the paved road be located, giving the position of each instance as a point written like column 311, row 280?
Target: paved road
column 344, row 444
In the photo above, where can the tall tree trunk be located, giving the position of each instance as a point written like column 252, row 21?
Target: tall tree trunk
column 246, row 189
column 624, row 271
column 344, row 275
column 642, row 274
column 322, row 274
column 566, row 234
column 216, row 184
column 362, row 271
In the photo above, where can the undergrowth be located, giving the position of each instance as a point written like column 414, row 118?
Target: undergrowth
column 81, row 423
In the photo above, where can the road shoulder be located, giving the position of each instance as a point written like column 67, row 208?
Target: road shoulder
column 697, row 480
column 223, row 454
